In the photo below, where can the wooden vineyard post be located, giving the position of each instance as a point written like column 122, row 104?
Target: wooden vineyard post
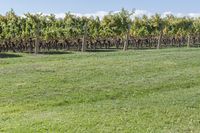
column 127, row 39
column 36, row 45
column 188, row 42
column 37, row 40
column 83, row 49
column 160, row 40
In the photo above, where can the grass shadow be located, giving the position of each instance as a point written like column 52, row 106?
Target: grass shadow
column 5, row 55
column 55, row 52
column 103, row 50
column 141, row 49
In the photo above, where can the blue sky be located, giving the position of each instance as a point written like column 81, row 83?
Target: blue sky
column 92, row 6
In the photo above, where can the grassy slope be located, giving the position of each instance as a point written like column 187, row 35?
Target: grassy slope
column 141, row 91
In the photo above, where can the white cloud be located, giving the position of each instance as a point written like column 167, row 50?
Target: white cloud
column 138, row 13
column 192, row 15
column 99, row 14
column 59, row 15
column 167, row 13
column 195, row 15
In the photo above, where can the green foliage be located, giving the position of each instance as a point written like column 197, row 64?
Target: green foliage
column 141, row 27
column 115, row 24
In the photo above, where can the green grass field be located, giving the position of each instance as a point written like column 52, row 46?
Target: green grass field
column 135, row 91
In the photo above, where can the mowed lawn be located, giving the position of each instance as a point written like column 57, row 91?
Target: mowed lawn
column 134, row 91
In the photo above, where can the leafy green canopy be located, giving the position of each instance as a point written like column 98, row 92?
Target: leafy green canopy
column 48, row 27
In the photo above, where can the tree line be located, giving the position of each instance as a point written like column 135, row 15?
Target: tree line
column 38, row 32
